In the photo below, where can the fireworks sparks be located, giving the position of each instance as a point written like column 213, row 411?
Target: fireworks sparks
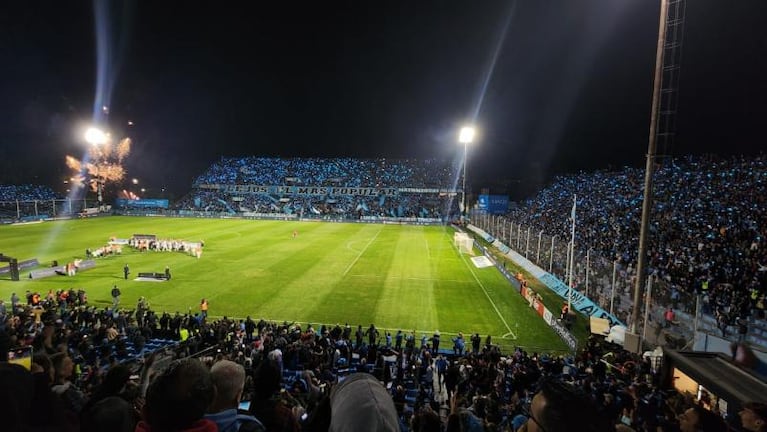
column 103, row 164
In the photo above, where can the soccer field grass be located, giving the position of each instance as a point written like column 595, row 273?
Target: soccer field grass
column 399, row 277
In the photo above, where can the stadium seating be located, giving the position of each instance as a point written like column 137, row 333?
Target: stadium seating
column 708, row 232
column 420, row 186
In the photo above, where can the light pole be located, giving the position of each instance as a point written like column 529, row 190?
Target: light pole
column 465, row 137
column 644, row 225
column 96, row 137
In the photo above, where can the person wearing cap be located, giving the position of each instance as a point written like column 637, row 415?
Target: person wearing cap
column 753, row 416
column 361, row 403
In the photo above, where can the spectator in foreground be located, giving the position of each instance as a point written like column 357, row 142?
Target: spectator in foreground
column 558, row 407
column 361, row 403
column 16, row 396
column 264, row 404
column 177, row 399
column 698, row 419
column 113, row 414
column 753, row 416
column 229, row 380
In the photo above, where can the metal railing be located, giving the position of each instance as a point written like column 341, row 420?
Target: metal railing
column 607, row 282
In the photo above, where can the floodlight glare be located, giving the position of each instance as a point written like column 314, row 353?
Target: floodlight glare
column 95, row 136
column 467, row 135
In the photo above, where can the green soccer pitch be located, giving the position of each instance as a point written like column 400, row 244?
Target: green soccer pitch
column 396, row 276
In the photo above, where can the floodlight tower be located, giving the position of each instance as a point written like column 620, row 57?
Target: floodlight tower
column 668, row 55
column 465, row 137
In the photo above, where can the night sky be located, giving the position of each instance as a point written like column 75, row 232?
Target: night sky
column 569, row 90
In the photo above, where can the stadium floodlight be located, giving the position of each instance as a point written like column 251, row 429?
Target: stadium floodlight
column 465, row 137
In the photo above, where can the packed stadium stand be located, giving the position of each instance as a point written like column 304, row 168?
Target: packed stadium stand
column 708, row 236
column 25, row 202
column 313, row 187
column 26, row 193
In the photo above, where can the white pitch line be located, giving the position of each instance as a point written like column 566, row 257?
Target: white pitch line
column 362, row 252
column 488, row 297
column 368, row 276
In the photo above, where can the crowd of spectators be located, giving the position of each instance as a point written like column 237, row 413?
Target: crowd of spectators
column 26, row 193
column 411, row 177
column 92, row 370
column 349, row 172
column 102, row 368
column 707, row 228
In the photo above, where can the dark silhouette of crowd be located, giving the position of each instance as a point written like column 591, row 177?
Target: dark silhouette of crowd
column 133, row 369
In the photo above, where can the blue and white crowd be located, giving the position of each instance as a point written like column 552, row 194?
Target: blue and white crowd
column 707, row 230
column 414, row 175
column 26, row 193
column 350, row 172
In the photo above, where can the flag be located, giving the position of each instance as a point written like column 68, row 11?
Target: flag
column 572, row 213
